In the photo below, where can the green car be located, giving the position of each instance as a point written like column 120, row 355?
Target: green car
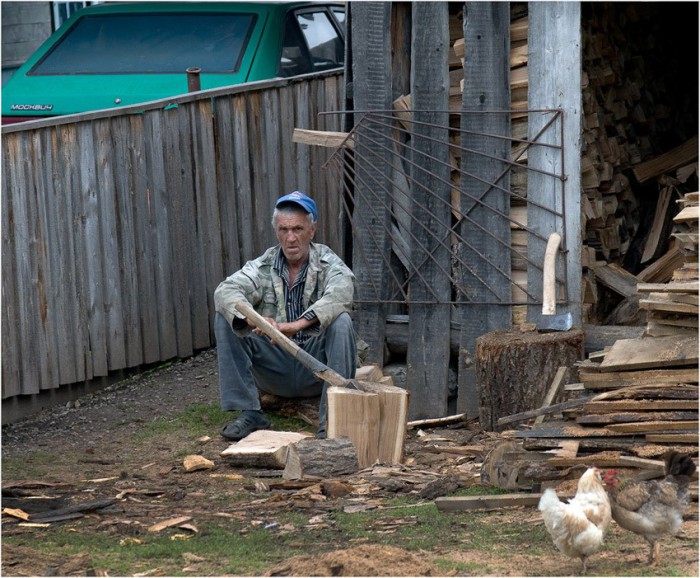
column 123, row 53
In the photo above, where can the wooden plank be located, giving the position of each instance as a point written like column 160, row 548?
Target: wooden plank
column 676, row 157
column 427, row 367
column 474, row 503
column 615, row 379
column 206, row 265
column 483, row 228
column 554, row 66
column 323, row 138
column 242, row 229
column 180, row 212
column 672, row 438
column 48, row 221
column 110, row 268
column 639, row 405
column 159, row 229
column 668, row 306
column 617, row 279
column 651, row 353
column 654, row 426
column 10, row 342
column 97, row 324
column 629, row 416
column 572, row 431
column 661, row 270
column 687, row 214
column 69, row 331
column 658, row 228
column 552, row 392
column 546, row 410
column 131, row 297
column 677, row 287
column 140, row 182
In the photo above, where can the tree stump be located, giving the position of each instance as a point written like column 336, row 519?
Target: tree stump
column 514, row 369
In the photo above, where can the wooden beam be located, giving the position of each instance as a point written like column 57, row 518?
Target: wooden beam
column 323, row 138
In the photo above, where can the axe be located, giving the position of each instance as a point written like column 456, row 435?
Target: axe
column 550, row 321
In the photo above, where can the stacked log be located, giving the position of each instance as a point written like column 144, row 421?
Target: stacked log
column 672, row 308
column 626, row 411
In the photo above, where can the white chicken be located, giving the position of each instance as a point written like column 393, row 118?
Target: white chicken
column 578, row 527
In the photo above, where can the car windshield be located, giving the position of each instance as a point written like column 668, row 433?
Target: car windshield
column 150, row 43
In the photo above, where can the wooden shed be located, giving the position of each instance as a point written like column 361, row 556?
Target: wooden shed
column 477, row 130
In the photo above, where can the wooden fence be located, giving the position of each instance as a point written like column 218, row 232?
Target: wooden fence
column 118, row 225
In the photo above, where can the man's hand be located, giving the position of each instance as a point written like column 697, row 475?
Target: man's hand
column 288, row 329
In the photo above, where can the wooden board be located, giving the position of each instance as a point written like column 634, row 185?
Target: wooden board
column 471, row 503
column 651, row 352
column 615, row 379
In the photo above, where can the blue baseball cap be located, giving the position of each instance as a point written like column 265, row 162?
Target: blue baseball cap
column 300, row 199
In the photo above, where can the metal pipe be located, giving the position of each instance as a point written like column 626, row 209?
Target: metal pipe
column 193, row 83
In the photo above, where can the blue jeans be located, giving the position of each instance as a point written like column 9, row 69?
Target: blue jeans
column 249, row 363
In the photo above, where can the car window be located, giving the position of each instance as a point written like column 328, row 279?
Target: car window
column 150, row 43
column 295, row 54
column 325, row 46
column 339, row 14
column 311, row 44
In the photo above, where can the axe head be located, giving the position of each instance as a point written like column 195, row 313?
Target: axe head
column 557, row 322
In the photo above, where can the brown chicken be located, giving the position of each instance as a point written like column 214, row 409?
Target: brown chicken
column 652, row 508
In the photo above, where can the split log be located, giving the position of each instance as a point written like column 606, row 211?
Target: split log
column 263, row 449
column 514, row 369
column 321, row 458
column 374, row 419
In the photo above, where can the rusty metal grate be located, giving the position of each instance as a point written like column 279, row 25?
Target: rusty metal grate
column 361, row 162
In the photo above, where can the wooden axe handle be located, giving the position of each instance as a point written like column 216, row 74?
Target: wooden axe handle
column 323, row 372
column 549, row 280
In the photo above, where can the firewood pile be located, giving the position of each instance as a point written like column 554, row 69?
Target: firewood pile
column 632, row 401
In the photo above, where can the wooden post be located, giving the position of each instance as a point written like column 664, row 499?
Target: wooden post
column 486, row 88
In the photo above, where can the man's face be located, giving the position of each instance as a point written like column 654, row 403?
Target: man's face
column 295, row 235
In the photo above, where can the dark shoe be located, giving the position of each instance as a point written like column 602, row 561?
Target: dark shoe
column 245, row 424
column 321, row 434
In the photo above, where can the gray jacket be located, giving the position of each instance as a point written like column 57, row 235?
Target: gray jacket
column 329, row 289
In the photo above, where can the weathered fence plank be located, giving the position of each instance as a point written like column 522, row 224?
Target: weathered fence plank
column 128, row 279
column 145, row 252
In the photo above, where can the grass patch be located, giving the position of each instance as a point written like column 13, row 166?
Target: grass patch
column 200, row 419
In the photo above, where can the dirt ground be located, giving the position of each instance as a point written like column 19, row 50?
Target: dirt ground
column 87, row 440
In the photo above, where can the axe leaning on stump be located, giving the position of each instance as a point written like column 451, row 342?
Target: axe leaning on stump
column 550, row 320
